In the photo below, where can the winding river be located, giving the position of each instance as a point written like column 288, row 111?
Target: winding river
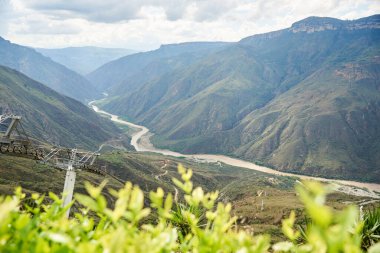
column 140, row 141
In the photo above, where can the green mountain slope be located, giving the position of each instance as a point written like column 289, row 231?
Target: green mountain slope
column 44, row 70
column 49, row 116
column 127, row 73
column 233, row 101
column 84, row 60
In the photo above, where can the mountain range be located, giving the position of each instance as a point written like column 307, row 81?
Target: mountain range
column 42, row 69
column 84, row 60
column 304, row 99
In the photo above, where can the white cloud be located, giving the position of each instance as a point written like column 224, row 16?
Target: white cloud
column 145, row 24
column 5, row 14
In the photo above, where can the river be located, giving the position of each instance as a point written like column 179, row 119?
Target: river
column 140, row 141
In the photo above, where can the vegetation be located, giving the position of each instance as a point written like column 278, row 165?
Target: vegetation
column 43, row 227
column 260, row 201
column 371, row 227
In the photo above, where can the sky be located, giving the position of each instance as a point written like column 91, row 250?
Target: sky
column 146, row 24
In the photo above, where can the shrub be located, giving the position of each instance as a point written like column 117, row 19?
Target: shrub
column 201, row 224
column 371, row 227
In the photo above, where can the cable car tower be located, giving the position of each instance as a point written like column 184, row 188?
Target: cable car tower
column 70, row 160
column 13, row 137
column 8, row 139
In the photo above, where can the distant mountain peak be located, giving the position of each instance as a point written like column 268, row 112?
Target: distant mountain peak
column 314, row 20
column 318, row 24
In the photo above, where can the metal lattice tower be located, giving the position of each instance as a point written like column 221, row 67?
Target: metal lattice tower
column 69, row 160
column 13, row 137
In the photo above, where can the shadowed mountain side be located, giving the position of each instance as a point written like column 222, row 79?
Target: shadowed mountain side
column 52, row 117
column 44, row 70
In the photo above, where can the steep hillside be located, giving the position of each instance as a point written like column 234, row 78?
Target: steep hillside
column 46, row 71
column 84, row 60
column 326, row 125
column 52, row 117
column 125, row 74
column 233, row 101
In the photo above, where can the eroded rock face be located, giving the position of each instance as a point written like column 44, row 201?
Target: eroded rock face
column 360, row 70
column 353, row 72
column 318, row 24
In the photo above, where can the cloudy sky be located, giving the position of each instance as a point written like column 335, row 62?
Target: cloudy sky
column 145, row 24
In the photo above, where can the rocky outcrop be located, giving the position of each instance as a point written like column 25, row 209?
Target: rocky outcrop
column 319, row 24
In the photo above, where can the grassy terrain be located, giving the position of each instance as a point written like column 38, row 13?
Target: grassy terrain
column 259, row 200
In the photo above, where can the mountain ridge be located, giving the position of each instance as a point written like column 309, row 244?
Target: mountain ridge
column 116, row 72
column 318, row 24
column 210, row 105
column 84, row 60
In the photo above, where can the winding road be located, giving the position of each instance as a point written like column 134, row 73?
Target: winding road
column 140, row 141
column 158, row 177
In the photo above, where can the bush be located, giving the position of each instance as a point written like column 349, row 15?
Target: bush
column 44, row 228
